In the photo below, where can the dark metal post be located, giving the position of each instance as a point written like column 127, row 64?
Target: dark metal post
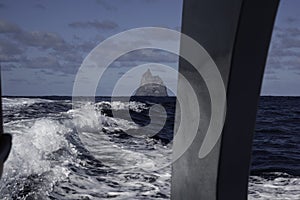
column 236, row 34
column 5, row 139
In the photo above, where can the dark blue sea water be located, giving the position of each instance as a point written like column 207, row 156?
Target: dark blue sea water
column 275, row 170
column 65, row 152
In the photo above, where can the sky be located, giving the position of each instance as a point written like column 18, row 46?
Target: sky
column 44, row 42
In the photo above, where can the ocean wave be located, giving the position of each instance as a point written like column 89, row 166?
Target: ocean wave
column 118, row 105
column 60, row 152
column 275, row 186
column 28, row 164
column 88, row 119
column 20, row 102
column 70, row 154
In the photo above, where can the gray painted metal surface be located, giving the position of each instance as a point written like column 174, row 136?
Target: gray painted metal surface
column 236, row 34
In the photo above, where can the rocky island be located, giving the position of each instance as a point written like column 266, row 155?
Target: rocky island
column 151, row 86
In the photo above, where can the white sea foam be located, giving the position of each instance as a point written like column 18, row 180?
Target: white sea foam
column 33, row 141
column 281, row 187
column 20, row 102
column 29, row 148
column 36, row 140
column 88, row 119
column 118, row 105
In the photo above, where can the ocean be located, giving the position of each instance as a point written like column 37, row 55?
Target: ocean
column 61, row 152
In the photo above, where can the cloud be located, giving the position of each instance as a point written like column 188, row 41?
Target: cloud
column 293, row 32
column 270, row 74
column 272, row 77
column 61, row 57
column 144, row 56
column 104, row 4
column 40, row 6
column 2, row 5
column 9, row 51
column 52, row 64
column 151, row 1
column 7, row 67
column 95, row 24
column 290, row 42
column 44, row 40
column 291, row 19
column 19, row 80
column 284, row 51
column 46, row 62
column 68, row 58
column 7, row 27
column 55, row 53
column 39, row 39
column 87, row 46
column 47, row 72
column 149, row 55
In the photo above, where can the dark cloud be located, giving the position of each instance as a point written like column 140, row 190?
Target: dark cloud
column 39, row 39
column 44, row 40
column 124, row 64
column 87, row 46
column 2, row 5
column 68, row 57
column 285, row 49
column 68, row 68
column 270, row 74
column 272, row 77
column 293, row 32
column 143, row 1
column 9, row 51
column 144, row 56
column 46, row 62
column 292, row 63
column 149, row 55
column 8, row 27
column 95, row 24
column 8, row 67
column 106, row 5
column 290, row 42
column 58, row 55
column 269, row 71
column 291, row 19
column 19, row 80
column 151, row 1
column 40, row 6
column 51, row 64
column 47, row 71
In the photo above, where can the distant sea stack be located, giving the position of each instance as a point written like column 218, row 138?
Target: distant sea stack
column 151, row 86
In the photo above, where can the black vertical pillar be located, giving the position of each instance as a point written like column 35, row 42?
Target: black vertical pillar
column 236, row 34
column 5, row 139
column 243, row 91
